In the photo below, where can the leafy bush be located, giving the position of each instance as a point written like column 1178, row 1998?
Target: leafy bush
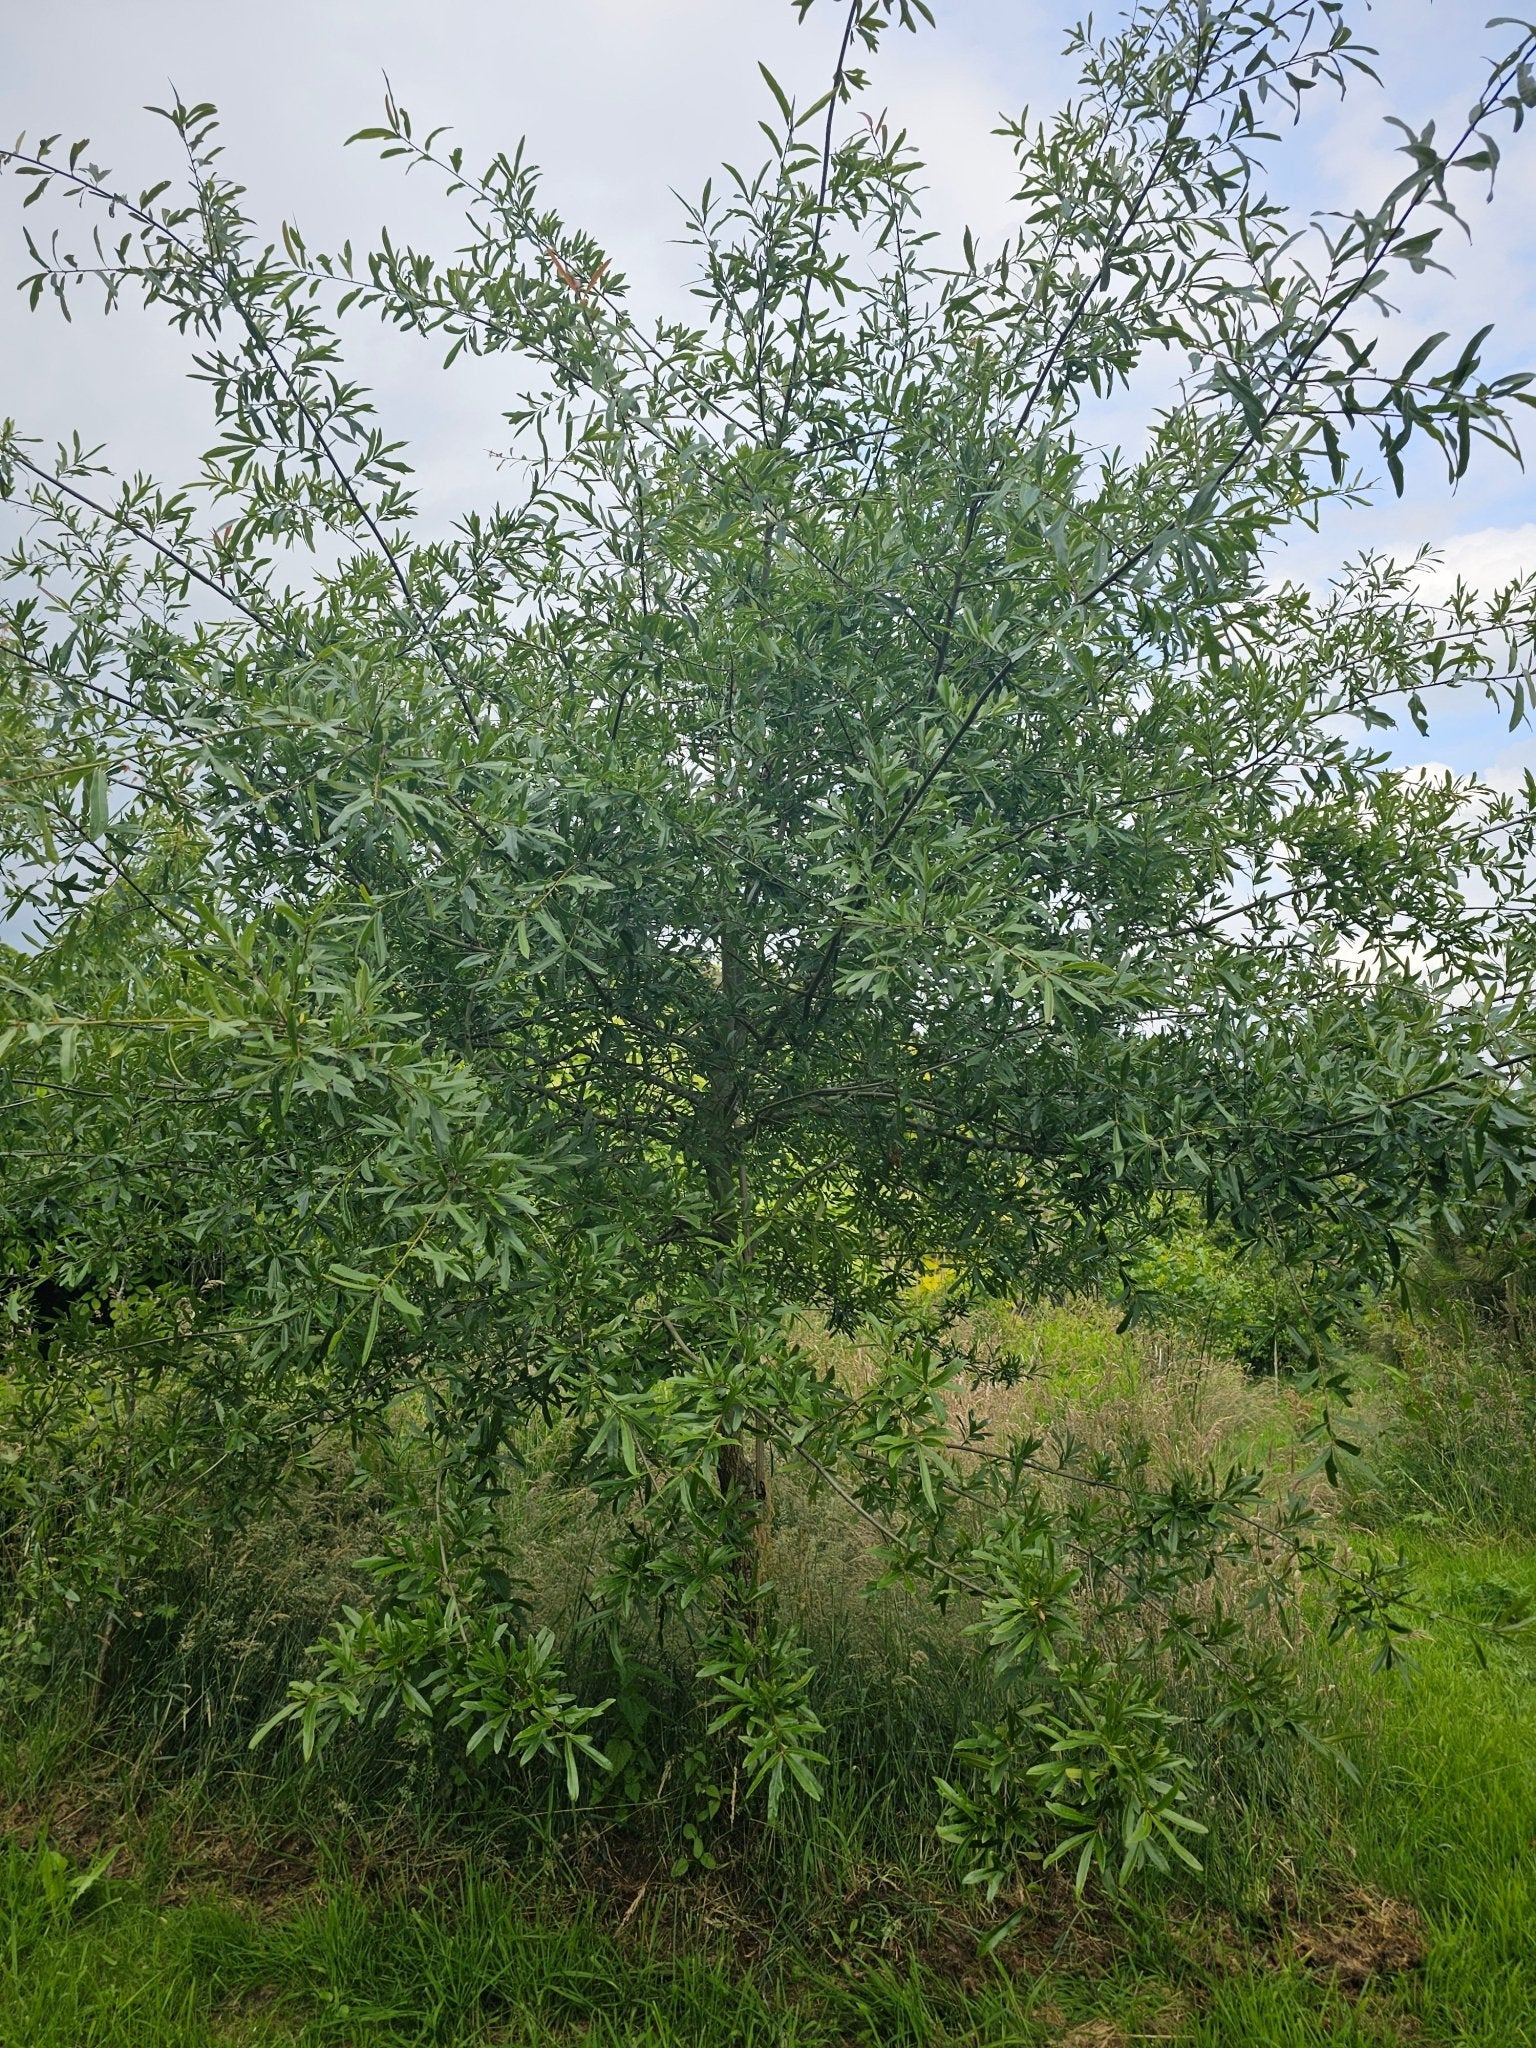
column 1245, row 1303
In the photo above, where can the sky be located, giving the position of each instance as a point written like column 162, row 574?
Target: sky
column 623, row 103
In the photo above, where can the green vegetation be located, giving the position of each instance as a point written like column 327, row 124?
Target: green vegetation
column 224, row 1901
column 696, row 1172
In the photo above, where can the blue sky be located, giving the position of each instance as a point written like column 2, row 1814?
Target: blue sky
column 624, row 100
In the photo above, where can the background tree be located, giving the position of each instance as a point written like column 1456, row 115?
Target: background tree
column 840, row 813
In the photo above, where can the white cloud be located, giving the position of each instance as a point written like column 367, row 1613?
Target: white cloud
column 1487, row 559
column 1507, row 771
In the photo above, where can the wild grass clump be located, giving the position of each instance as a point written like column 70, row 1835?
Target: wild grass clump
column 1452, row 1407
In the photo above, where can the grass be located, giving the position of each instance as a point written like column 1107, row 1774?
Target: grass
column 1446, row 1811
column 1455, row 1414
column 249, row 1905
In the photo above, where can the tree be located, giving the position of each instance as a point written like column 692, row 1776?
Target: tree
column 839, row 813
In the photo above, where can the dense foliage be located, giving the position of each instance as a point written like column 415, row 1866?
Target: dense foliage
column 839, row 813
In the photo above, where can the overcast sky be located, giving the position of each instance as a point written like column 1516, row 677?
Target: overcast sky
column 624, row 101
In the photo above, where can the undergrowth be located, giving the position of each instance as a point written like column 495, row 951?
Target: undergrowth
column 1398, row 1910
column 166, row 1885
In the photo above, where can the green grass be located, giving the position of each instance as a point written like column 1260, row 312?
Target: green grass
column 491, row 1967
column 1446, row 1811
column 1444, row 1816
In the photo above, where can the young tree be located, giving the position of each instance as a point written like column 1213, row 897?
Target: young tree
column 840, row 812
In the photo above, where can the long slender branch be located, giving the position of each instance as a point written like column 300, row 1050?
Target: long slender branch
column 834, row 100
